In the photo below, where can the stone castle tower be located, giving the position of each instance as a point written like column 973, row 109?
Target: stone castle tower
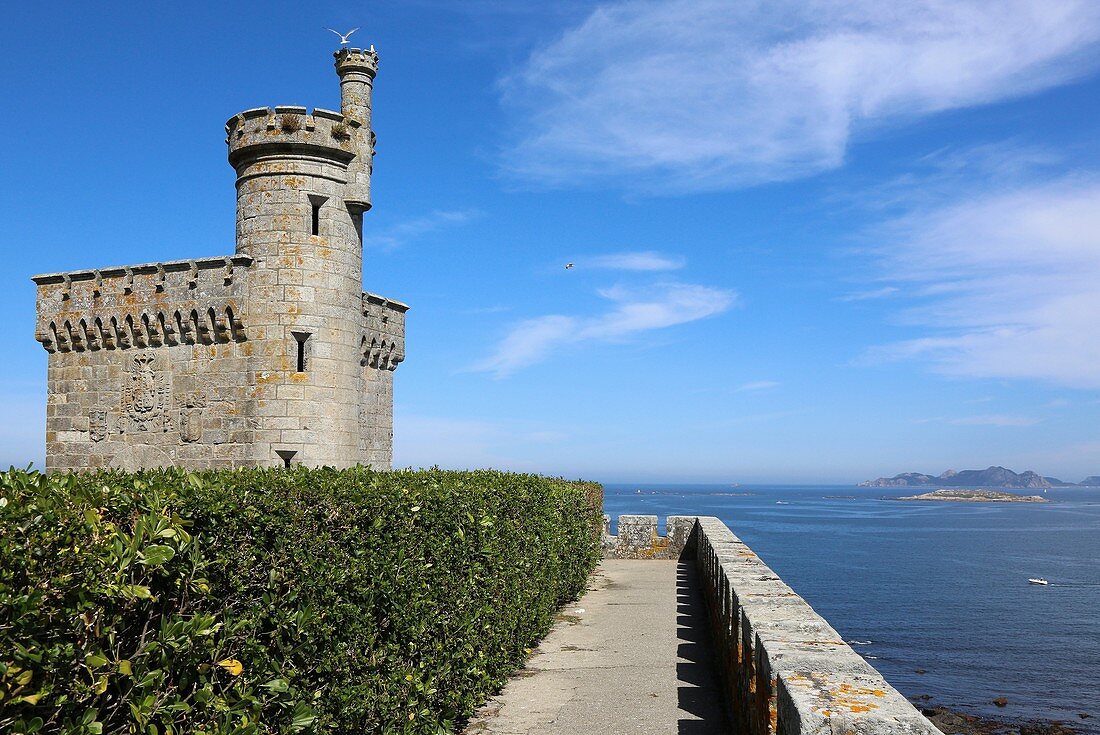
column 268, row 357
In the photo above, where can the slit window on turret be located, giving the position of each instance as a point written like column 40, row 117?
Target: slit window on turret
column 316, row 201
column 300, row 339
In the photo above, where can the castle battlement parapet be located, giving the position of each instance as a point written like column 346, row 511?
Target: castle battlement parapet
column 151, row 304
column 384, row 337
column 287, row 122
column 286, row 129
column 100, row 276
column 365, row 60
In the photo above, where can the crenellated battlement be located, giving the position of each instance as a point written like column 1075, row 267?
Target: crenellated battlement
column 383, row 343
column 638, row 538
column 289, row 129
column 365, row 60
column 147, row 305
column 162, row 269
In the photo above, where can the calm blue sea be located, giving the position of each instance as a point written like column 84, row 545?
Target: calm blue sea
column 938, row 587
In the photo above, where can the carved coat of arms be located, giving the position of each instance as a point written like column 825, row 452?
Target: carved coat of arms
column 97, row 424
column 146, row 394
column 191, row 416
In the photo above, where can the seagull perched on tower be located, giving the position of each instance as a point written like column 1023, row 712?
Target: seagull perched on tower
column 343, row 36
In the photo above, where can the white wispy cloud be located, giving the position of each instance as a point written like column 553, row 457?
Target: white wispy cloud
column 756, row 385
column 493, row 309
column 631, row 313
column 995, row 420
column 405, row 232
column 698, row 94
column 876, row 293
column 1006, row 283
column 645, row 260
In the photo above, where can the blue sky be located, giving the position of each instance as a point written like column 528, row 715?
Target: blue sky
column 813, row 241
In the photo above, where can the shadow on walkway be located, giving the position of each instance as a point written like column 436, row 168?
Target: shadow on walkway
column 699, row 691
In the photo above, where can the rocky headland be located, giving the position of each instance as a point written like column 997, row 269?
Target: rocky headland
column 975, row 496
column 989, row 477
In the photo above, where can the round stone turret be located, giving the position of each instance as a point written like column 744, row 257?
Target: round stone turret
column 357, row 68
column 294, row 171
column 303, row 184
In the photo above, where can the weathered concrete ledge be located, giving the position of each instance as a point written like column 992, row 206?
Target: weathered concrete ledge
column 785, row 670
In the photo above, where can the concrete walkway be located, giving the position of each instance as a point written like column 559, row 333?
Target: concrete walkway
column 631, row 657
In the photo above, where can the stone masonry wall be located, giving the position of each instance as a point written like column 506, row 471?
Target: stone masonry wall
column 148, row 365
column 383, row 349
column 292, row 219
column 638, row 537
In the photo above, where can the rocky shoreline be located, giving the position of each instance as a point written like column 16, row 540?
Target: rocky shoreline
column 954, row 722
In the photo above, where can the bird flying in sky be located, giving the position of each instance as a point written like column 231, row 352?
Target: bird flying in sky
column 343, row 36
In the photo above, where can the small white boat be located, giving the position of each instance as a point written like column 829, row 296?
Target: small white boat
column 1037, row 580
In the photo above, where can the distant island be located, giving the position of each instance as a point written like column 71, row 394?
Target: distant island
column 975, row 496
column 990, row 477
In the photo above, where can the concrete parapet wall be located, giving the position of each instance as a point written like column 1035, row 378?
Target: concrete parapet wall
column 785, row 670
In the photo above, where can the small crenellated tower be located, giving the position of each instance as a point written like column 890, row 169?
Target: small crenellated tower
column 357, row 69
column 300, row 362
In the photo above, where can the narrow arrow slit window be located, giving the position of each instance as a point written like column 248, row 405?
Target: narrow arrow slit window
column 300, row 339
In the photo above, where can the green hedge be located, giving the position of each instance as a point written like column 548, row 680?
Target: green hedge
column 259, row 601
